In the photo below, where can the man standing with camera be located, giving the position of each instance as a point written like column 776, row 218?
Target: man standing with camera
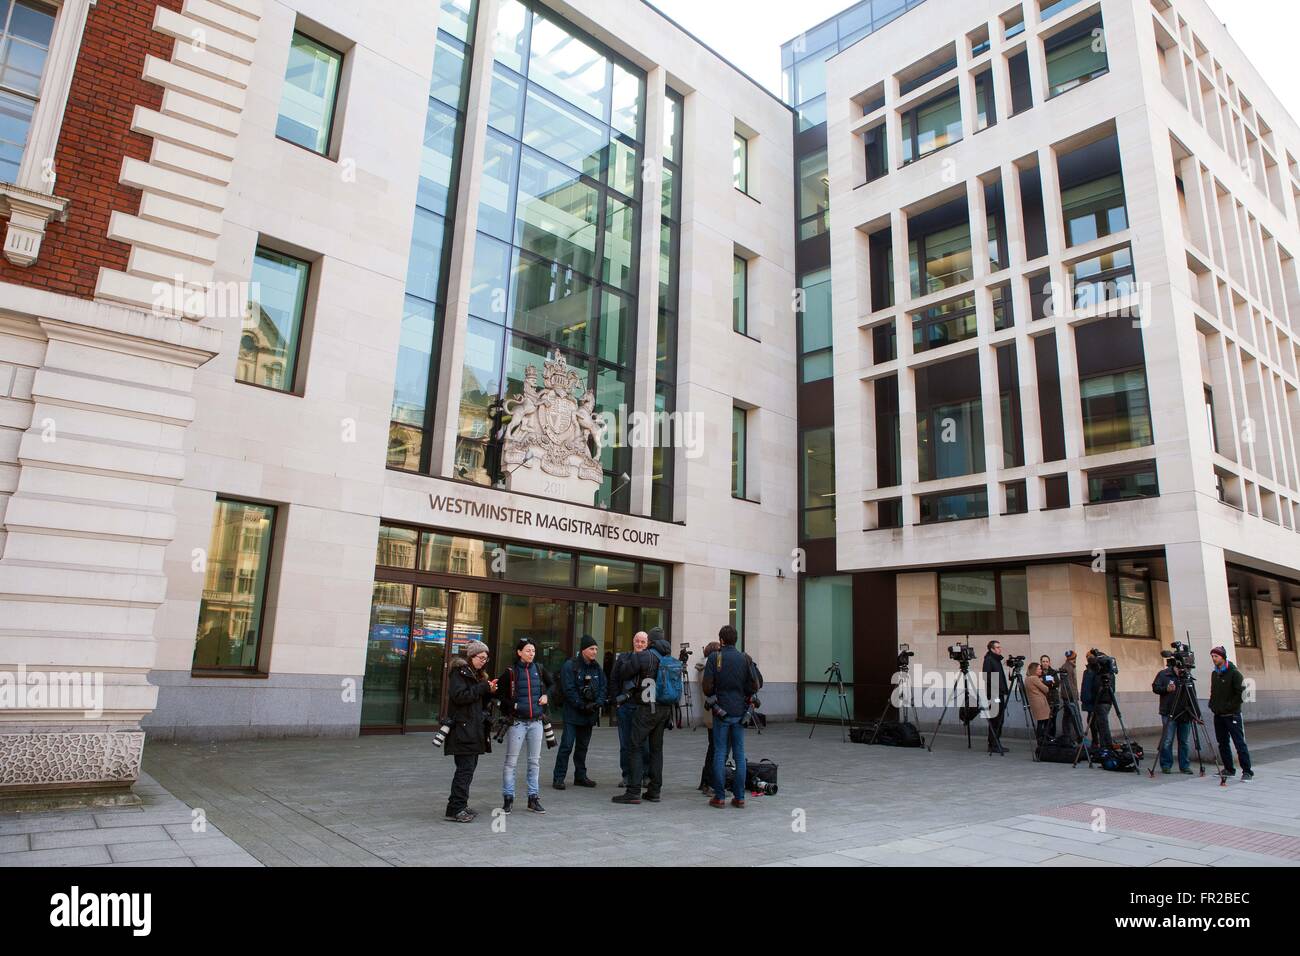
column 995, row 680
column 729, row 683
column 1068, row 679
column 623, row 689
column 582, row 684
column 1174, row 717
column 1227, row 688
column 640, row 670
column 1098, row 697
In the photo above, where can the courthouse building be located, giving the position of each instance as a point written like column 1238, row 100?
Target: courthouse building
column 331, row 341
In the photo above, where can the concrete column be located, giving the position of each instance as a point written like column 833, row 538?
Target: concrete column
column 1198, row 597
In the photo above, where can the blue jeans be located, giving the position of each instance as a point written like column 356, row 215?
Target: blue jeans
column 1184, row 730
column 1230, row 726
column 728, row 733
column 519, row 732
column 625, row 713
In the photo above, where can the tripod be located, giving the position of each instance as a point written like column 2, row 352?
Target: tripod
column 965, row 710
column 684, row 706
column 836, row 676
column 905, row 704
column 1016, row 691
column 1106, row 692
column 1185, row 702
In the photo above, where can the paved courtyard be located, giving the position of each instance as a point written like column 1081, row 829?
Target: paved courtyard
column 378, row 801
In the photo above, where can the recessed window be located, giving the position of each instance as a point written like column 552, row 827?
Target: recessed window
column 1123, row 484
column 931, row 126
column 984, row 602
column 944, row 324
column 736, row 607
column 740, row 162
column 739, row 451
column 818, row 480
column 986, row 114
column 1116, row 411
column 814, row 195
column 269, row 340
column 814, row 322
column 311, row 85
column 1056, row 492
column 876, row 142
column 954, row 506
column 1092, row 191
column 1075, row 56
column 1017, row 497
column 234, row 586
column 939, row 249
column 1241, row 597
column 949, row 419
column 740, row 295
column 25, row 31
column 1102, row 278
column 1132, row 611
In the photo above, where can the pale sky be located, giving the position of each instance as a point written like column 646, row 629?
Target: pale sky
column 749, row 33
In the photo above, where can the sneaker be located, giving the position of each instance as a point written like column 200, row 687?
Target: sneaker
column 1168, row 770
column 506, row 804
column 584, row 782
column 625, row 798
column 651, row 795
column 558, row 784
column 1186, row 770
column 1248, row 775
column 463, row 817
column 535, row 805
column 738, row 803
column 720, row 804
column 705, row 788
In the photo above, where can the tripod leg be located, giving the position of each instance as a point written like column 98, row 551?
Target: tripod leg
column 817, row 716
column 943, row 713
column 1123, row 732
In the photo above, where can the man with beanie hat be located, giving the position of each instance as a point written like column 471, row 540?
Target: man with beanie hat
column 1227, row 688
column 582, row 689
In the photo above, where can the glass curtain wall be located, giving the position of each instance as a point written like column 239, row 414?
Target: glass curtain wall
column 411, row 419
column 670, row 235
column 555, row 258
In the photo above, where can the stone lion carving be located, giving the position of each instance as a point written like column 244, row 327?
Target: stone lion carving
column 550, row 428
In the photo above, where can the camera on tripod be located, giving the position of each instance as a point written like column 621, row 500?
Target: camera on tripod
column 684, row 654
column 1181, row 657
column 1104, row 666
column 903, row 654
column 1016, row 660
column 961, row 653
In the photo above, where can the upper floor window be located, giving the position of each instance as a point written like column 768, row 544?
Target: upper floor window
column 1102, row 278
column 311, row 84
column 268, row 347
column 1132, row 611
column 740, row 162
column 931, row 126
column 739, row 452
column 24, row 46
column 1075, row 56
column 1240, row 600
column 740, row 295
column 984, row 602
column 1092, row 191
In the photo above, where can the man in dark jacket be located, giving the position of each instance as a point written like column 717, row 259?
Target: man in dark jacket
column 1227, row 689
column 468, row 694
column 583, row 683
column 729, row 681
column 1068, row 678
column 1175, row 718
column 995, row 679
column 638, row 670
column 622, row 694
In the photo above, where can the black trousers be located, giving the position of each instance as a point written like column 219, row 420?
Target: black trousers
column 706, row 774
column 574, row 740
column 648, row 724
column 995, row 728
column 1046, row 729
column 459, row 799
column 1100, row 722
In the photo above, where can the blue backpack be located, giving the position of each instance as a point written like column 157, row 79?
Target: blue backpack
column 668, row 680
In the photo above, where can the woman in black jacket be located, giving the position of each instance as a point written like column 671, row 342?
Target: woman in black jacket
column 468, row 692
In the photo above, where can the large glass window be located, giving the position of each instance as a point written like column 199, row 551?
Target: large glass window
column 662, row 464
column 1116, row 411
column 954, row 505
column 983, row 602
column 234, row 586
column 949, row 419
column 816, row 359
column 1102, row 278
column 939, row 250
column 818, row 483
column 1241, row 598
column 1075, row 56
column 269, row 339
column 814, row 195
column 931, row 126
column 1092, row 191
column 311, row 83
column 26, row 27
column 739, row 451
column 1132, row 610
column 827, row 637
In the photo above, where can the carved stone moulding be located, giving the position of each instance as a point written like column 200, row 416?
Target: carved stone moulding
column 36, row 761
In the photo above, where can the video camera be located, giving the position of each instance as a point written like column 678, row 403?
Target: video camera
column 1181, row 657
column 684, row 654
column 1015, row 661
column 1104, row 666
column 903, row 654
column 961, row 653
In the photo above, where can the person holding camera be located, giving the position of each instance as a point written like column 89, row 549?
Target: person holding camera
column 640, row 670
column 1098, row 697
column 706, row 772
column 469, row 692
column 995, row 680
column 1068, row 681
column 1227, row 690
column 522, row 692
column 1038, row 692
column 728, row 685
column 582, row 687
column 1174, row 718
column 625, row 709
column 1052, row 679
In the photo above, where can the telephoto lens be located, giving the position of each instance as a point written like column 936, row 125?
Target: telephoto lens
column 440, row 735
column 549, row 733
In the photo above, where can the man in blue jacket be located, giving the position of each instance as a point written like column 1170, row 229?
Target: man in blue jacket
column 728, row 678
column 583, row 684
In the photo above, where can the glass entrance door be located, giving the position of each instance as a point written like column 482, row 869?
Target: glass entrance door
column 545, row 620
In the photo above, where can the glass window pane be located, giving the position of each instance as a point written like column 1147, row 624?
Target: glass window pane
column 490, row 279
column 968, row 602
column 454, row 554
column 627, row 99
column 511, row 41
column 739, row 290
column 569, row 67
column 551, row 302
column 814, row 185
column 740, row 163
column 816, row 320
column 607, row 574
column 556, row 214
column 615, row 320
column 15, row 122
column 456, row 17
column 386, row 651
column 736, row 607
column 448, row 71
column 414, row 354
column 553, row 127
column 307, row 101
column 538, row 565
column 818, row 468
column 437, row 157
column 624, row 167
column 620, row 241
column 424, row 267
column 500, row 171
column 268, row 343
column 397, row 547
column 234, row 581
column 738, row 451
column 480, row 379
column 506, row 102
column 32, row 21
column 1015, row 602
column 653, row 580
column 827, row 637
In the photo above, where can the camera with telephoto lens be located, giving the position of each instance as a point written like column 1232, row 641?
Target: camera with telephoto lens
column 500, row 727
column 1180, row 657
column 1016, row 660
column 440, row 735
column 587, row 692
column 548, row 733
column 961, row 652
column 1103, row 666
column 712, row 704
column 684, row 654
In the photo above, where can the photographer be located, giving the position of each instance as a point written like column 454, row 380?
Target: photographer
column 729, row 679
column 1052, row 679
column 995, row 679
column 522, row 691
column 1068, row 679
column 1038, row 692
column 468, row 693
column 1174, row 716
column 582, row 686
column 625, row 710
column 1097, row 701
column 639, row 670
column 706, row 772
column 1227, row 688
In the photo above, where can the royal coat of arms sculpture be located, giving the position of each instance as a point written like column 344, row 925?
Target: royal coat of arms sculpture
column 552, row 433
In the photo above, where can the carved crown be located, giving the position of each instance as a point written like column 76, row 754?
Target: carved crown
column 558, row 376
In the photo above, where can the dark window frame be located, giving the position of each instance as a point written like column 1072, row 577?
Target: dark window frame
column 999, row 608
column 1114, row 602
column 334, row 103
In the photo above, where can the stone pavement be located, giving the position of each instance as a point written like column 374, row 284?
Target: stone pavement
column 378, row 801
